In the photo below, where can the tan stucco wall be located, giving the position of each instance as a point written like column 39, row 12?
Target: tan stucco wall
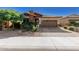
column 64, row 22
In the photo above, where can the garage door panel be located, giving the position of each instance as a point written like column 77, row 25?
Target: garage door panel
column 49, row 23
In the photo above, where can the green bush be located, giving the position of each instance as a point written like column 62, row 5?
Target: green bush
column 73, row 23
column 71, row 28
column 76, row 24
column 29, row 26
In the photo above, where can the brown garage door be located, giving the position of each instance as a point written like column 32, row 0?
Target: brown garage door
column 48, row 23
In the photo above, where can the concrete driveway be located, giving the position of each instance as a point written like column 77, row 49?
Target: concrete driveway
column 57, row 32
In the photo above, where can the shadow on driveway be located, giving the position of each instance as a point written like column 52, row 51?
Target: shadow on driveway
column 43, row 32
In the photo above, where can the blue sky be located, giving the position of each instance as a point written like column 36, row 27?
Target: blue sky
column 49, row 11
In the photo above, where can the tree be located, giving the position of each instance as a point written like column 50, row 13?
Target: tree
column 9, row 16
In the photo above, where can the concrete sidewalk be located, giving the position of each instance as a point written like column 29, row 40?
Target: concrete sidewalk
column 39, row 43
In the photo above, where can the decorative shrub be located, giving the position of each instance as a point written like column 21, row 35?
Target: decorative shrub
column 74, row 23
column 34, row 28
column 65, row 27
column 71, row 28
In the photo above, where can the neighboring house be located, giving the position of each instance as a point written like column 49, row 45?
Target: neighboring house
column 67, row 19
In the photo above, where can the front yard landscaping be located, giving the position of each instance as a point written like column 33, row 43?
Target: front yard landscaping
column 73, row 26
column 12, row 20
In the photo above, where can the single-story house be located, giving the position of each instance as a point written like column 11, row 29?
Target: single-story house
column 51, row 21
column 43, row 21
